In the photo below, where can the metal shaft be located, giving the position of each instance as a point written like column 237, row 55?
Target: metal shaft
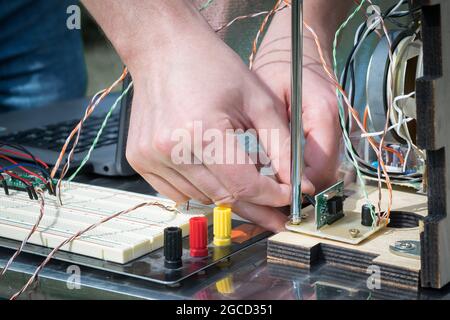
column 296, row 110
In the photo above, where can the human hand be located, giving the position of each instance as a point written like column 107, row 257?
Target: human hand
column 194, row 78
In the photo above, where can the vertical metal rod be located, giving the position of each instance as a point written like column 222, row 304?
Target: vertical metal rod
column 296, row 110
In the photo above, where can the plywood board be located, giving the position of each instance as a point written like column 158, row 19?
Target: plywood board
column 120, row 240
column 303, row 250
column 340, row 230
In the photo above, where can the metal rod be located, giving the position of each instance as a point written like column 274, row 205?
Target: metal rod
column 296, row 110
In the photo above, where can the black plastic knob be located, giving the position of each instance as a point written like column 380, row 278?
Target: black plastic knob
column 366, row 215
column 173, row 248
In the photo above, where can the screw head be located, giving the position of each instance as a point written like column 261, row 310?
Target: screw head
column 405, row 245
column 354, row 232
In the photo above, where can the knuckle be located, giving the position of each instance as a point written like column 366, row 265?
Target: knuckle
column 162, row 143
column 266, row 104
column 227, row 199
column 242, row 192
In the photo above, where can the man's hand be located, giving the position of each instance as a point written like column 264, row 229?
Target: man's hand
column 184, row 74
column 320, row 112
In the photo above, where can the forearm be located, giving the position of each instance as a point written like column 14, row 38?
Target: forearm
column 140, row 28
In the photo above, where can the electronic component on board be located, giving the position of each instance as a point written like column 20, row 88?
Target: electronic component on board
column 222, row 226
column 366, row 215
column 173, row 247
column 329, row 205
column 198, row 236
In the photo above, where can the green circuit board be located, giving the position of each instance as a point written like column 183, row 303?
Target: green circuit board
column 324, row 212
column 9, row 183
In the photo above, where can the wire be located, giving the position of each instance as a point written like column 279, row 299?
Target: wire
column 25, row 150
column 15, row 176
column 26, row 170
column 23, row 155
column 253, row 15
column 206, row 5
column 40, row 193
column 19, row 165
column 77, row 130
column 346, row 138
column 100, row 131
column 260, row 31
column 351, row 110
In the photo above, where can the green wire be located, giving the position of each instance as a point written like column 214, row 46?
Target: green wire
column 99, row 133
column 206, row 5
column 347, row 140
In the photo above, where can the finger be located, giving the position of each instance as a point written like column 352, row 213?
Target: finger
column 242, row 179
column 266, row 217
column 271, row 123
column 165, row 188
column 183, row 185
column 322, row 146
column 307, row 186
column 206, row 182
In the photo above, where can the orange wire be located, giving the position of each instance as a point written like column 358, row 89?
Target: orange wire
column 261, row 30
column 355, row 115
column 89, row 111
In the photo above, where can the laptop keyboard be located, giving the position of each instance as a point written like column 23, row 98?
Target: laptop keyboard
column 53, row 137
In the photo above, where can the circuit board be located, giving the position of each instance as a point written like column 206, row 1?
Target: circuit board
column 8, row 183
column 324, row 214
column 317, row 221
column 119, row 240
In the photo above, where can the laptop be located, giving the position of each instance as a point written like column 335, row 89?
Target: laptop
column 43, row 132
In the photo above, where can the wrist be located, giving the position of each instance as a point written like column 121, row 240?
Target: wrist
column 143, row 31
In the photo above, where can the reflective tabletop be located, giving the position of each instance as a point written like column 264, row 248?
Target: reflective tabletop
column 246, row 275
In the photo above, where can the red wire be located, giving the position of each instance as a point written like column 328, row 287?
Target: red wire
column 24, row 169
column 20, row 154
column 15, row 176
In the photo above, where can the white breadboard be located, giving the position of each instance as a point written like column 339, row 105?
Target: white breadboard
column 120, row 240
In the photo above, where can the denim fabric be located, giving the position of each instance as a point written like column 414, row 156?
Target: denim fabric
column 41, row 60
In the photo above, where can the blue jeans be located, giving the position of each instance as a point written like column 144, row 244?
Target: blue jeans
column 41, row 60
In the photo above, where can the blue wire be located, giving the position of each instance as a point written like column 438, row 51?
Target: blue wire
column 29, row 165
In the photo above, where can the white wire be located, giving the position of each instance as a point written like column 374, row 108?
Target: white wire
column 379, row 133
column 399, row 124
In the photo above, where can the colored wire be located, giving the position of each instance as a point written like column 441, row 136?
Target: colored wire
column 26, row 170
column 253, row 15
column 260, row 31
column 346, row 138
column 341, row 91
column 100, row 131
column 40, row 193
column 206, row 5
column 23, row 155
column 77, row 130
column 15, row 176
column 24, row 150
column 20, row 165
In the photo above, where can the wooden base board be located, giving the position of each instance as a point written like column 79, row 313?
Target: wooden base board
column 303, row 251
